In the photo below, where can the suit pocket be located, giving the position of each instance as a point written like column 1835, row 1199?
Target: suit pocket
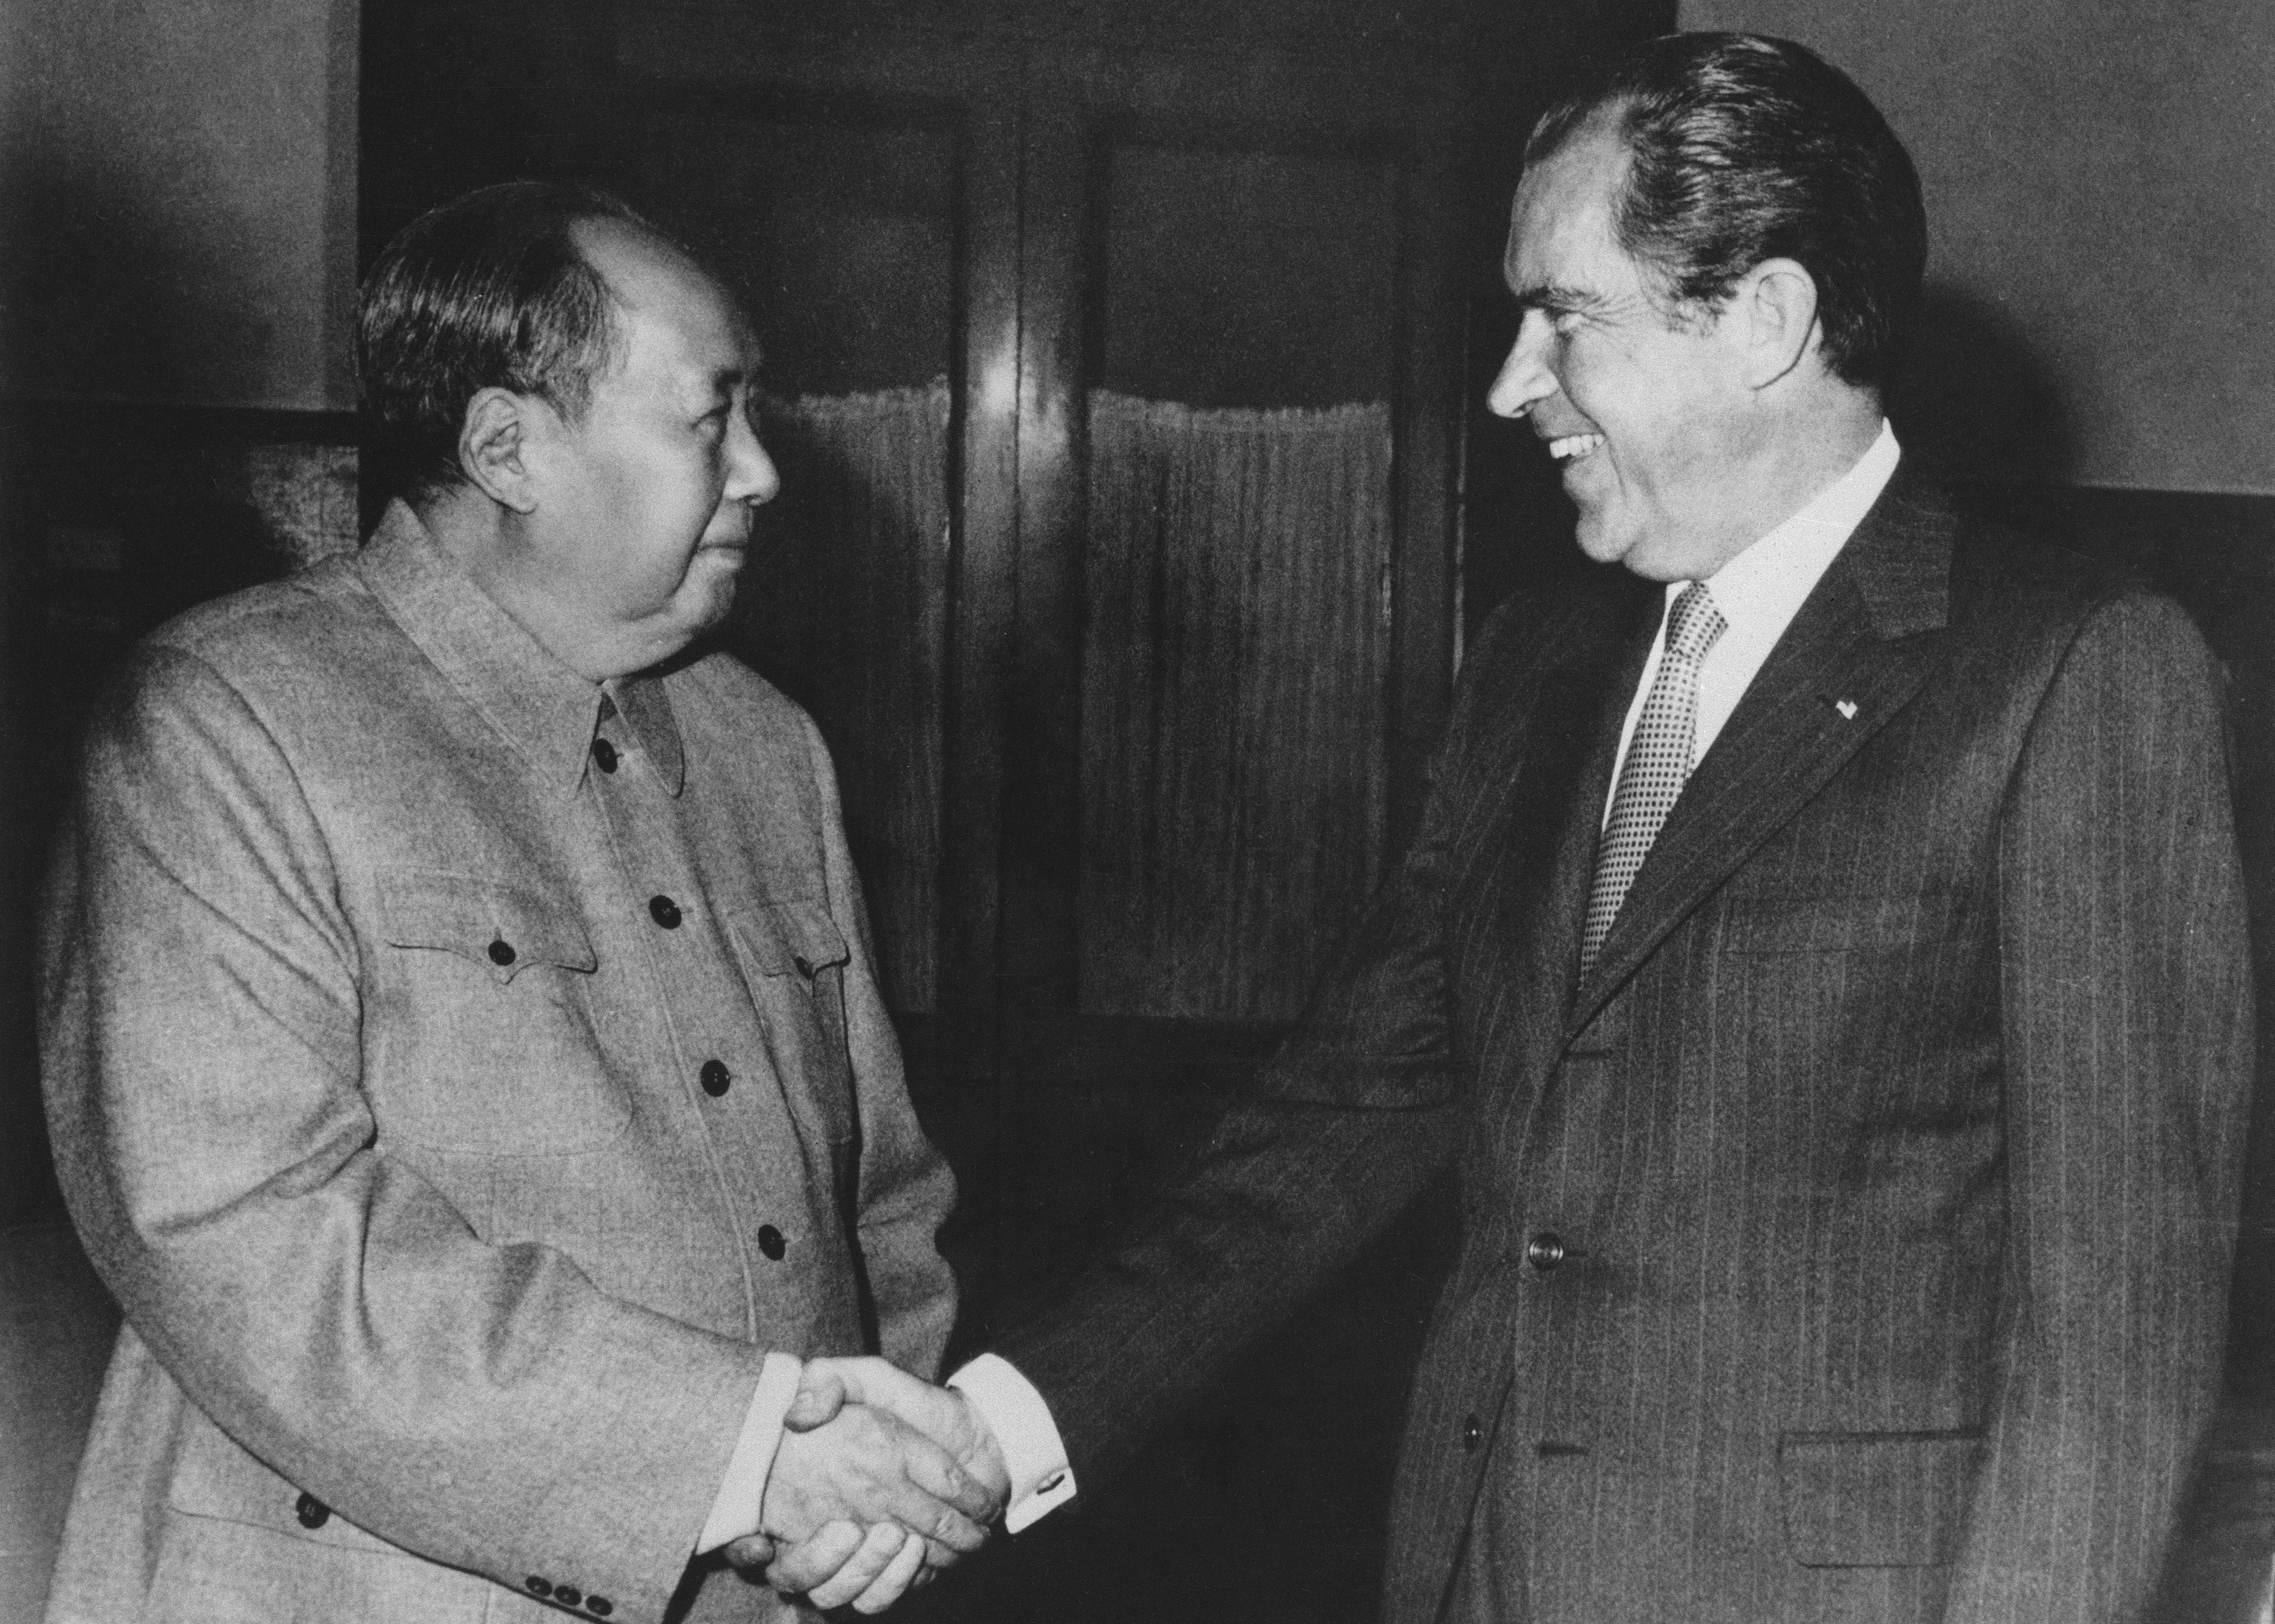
column 794, row 959
column 1875, row 1499
column 481, row 1026
column 1848, row 924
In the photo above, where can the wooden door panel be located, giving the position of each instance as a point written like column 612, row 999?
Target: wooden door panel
column 1218, row 523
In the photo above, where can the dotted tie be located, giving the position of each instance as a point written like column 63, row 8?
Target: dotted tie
column 1657, row 762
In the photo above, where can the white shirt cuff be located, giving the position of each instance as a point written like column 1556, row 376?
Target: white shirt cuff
column 735, row 1511
column 1033, row 1453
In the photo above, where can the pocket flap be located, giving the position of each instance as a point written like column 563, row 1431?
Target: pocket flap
column 1844, row 924
column 503, row 928
column 1875, row 1499
column 784, row 939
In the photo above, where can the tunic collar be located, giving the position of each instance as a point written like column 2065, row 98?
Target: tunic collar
column 545, row 710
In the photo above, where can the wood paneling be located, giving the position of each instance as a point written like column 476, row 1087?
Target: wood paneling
column 1248, row 278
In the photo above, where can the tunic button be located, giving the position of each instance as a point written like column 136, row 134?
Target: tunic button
column 715, row 1078
column 805, row 966
column 604, row 754
column 771, row 1243
column 536, row 1586
column 1543, row 1251
column 599, row 1606
column 501, row 953
column 312, row 1512
column 664, row 911
column 1473, row 1433
column 567, row 1595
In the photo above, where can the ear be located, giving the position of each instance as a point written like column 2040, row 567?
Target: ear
column 1774, row 308
column 492, row 442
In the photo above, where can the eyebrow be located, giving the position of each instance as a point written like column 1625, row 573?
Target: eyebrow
column 1549, row 296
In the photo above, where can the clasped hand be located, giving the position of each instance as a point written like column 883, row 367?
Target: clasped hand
column 881, row 1481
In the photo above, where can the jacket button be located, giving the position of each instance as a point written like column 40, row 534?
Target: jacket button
column 568, row 1594
column 1543, row 1251
column 1473, row 1433
column 604, row 754
column 771, row 1243
column 664, row 911
column 599, row 1606
column 715, row 1078
column 501, row 953
column 312, row 1512
column 536, row 1586
column 805, row 966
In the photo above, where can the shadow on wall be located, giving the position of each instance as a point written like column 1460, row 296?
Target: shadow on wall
column 105, row 293
column 114, row 515
column 1975, row 401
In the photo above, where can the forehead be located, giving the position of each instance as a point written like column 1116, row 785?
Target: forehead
column 675, row 320
column 1560, row 227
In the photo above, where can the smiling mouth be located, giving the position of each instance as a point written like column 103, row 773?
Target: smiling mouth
column 1568, row 449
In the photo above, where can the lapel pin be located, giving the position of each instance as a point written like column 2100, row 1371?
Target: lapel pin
column 1846, row 707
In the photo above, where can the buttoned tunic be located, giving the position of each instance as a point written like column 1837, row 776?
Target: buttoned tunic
column 462, row 1075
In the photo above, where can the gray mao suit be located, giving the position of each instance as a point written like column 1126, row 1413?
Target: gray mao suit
column 462, row 1078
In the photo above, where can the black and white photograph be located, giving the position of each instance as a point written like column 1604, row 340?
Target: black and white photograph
column 1137, row 812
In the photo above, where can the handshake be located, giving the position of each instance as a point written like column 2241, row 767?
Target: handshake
column 881, row 1480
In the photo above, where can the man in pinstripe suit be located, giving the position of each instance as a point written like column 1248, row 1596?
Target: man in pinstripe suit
column 1821, row 965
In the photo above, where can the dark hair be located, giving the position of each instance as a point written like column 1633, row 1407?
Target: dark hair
column 487, row 291
column 1744, row 149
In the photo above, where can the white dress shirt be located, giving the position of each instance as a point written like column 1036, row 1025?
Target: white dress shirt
column 1758, row 592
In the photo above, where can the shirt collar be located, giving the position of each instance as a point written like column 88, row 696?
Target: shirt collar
column 1765, row 584
column 545, row 710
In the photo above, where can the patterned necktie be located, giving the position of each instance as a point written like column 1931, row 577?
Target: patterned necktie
column 1658, row 761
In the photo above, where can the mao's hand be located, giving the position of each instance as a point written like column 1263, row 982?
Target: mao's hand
column 941, row 1413
column 872, row 1567
column 864, row 1471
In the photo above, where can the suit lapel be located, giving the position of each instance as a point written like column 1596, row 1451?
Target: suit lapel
column 1850, row 660
column 1545, row 841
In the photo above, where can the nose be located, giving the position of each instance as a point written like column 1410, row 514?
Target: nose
column 1524, row 379
column 752, row 476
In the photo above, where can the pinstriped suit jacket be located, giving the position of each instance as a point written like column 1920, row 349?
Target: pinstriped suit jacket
column 1892, row 1141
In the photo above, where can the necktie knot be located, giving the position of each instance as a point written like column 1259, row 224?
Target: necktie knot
column 1694, row 623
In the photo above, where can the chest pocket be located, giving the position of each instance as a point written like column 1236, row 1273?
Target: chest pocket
column 480, row 1027
column 794, row 957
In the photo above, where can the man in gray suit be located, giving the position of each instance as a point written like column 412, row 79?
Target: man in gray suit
column 461, row 1043
column 1821, row 966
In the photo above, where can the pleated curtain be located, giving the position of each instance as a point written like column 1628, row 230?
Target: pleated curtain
column 1234, row 727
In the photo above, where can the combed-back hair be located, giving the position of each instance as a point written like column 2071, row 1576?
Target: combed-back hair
column 1744, row 149
column 489, row 291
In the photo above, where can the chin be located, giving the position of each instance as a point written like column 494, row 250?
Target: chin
column 1602, row 543
column 715, row 612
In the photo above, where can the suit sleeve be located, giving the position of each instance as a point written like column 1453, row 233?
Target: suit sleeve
column 906, row 1189
column 1353, row 1119
column 484, row 1406
column 2127, row 1044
